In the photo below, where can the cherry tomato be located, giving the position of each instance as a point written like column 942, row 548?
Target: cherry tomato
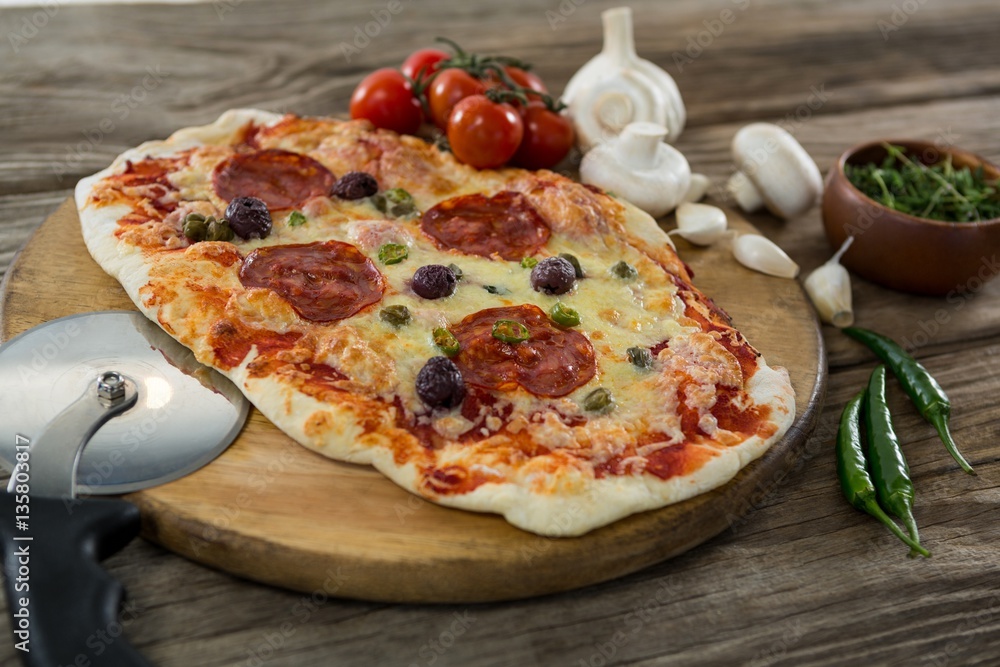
column 484, row 134
column 548, row 137
column 525, row 79
column 447, row 89
column 423, row 62
column 385, row 97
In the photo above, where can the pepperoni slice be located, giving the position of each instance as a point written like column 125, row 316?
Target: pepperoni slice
column 552, row 362
column 505, row 224
column 281, row 178
column 322, row 281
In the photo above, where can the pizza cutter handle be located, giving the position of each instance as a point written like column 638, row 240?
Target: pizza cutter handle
column 61, row 601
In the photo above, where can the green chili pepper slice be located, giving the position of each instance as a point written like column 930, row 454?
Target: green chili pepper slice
column 926, row 394
column 529, row 263
column 855, row 482
column 599, row 400
column 641, row 357
column 397, row 315
column 510, row 331
column 392, row 253
column 296, row 218
column 624, row 270
column 446, row 340
column 397, row 202
column 890, row 473
column 564, row 315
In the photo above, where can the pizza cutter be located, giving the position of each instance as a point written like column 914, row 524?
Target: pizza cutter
column 93, row 404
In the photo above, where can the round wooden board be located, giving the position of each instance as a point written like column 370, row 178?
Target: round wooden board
column 270, row 510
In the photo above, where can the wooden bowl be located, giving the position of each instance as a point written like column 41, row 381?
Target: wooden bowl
column 901, row 251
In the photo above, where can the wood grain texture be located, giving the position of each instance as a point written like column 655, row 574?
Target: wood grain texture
column 270, row 510
column 803, row 580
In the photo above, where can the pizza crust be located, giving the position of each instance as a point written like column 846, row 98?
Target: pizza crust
column 569, row 503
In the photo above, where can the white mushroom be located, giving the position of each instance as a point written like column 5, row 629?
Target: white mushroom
column 761, row 254
column 829, row 288
column 773, row 171
column 700, row 224
column 639, row 167
column 617, row 87
column 698, row 188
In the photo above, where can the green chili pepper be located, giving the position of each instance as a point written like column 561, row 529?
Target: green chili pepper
column 641, row 357
column 446, row 340
column 920, row 385
column 392, row 253
column 529, row 263
column 575, row 262
column 624, row 270
column 396, row 315
column 855, row 481
column 564, row 315
column 510, row 331
column 890, row 473
column 296, row 218
column 599, row 400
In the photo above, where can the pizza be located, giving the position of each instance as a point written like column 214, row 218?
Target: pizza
column 503, row 341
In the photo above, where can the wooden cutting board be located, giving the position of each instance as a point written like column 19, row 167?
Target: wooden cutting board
column 270, row 510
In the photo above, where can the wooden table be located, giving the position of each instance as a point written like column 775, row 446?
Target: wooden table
column 801, row 578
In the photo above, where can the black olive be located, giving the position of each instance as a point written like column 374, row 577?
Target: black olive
column 440, row 384
column 553, row 275
column 355, row 185
column 434, row 281
column 249, row 218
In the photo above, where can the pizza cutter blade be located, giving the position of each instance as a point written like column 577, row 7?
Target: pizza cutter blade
column 90, row 404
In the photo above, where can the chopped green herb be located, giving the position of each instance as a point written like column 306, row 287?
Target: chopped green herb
column 529, row 263
column 575, row 262
column 938, row 191
column 446, row 340
column 296, row 219
column 510, row 331
column 624, row 270
column 396, row 315
column 496, row 289
column 397, row 202
column 599, row 400
column 564, row 315
column 392, row 253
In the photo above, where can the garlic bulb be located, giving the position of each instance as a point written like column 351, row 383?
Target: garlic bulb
column 760, row 254
column 617, row 87
column 640, row 168
column 700, row 224
column 829, row 287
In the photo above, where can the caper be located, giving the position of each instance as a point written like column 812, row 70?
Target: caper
column 574, row 261
column 396, row 315
column 195, row 227
column 218, row 230
column 456, row 270
column 599, row 400
column 624, row 270
column 397, row 202
column 640, row 357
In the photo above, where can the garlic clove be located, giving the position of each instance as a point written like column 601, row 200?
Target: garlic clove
column 698, row 188
column 829, row 288
column 700, row 224
column 761, row 254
